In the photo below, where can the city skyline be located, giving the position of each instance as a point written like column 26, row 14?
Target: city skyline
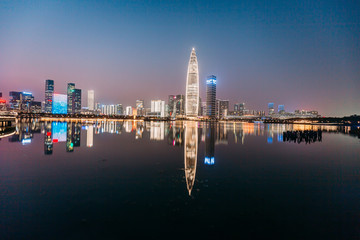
column 309, row 61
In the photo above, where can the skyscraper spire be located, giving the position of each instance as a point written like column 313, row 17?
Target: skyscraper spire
column 192, row 87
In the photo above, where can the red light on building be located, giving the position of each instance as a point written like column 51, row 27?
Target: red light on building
column 55, row 140
column 48, row 134
column 2, row 101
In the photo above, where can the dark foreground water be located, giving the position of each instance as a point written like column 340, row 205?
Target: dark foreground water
column 160, row 180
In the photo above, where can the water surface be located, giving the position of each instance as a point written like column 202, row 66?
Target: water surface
column 156, row 180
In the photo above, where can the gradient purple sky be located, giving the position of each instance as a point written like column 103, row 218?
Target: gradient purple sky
column 303, row 54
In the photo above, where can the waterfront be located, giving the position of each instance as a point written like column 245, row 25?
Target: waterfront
column 113, row 179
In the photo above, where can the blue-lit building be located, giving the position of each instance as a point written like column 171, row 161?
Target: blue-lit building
column 281, row 109
column 59, row 104
column 271, row 108
column 211, row 96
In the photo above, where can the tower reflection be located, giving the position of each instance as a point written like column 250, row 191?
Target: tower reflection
column 190, row 153
column 210, row 144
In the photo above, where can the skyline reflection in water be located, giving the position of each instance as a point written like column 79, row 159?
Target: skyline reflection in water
column 187, row 134
column 62, row 180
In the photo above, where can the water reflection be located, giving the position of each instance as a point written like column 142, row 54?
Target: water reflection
column 190, row 153
column 175, row 133
column 185, row 134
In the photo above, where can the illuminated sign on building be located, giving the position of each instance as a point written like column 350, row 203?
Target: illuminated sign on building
column 59, row 104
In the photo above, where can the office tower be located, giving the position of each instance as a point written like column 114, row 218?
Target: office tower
column 35, row 107
column 70, row 91
column 91, row 100
column 129, row 111
column 192, row 87
column 77, row 101
column 140, row 107
column 20, row 101
column 271, row 108
column 281, row 109
column 222, row 108
column 176, row 105
column 119, row 109
column 158, row 108
column 190, row 153
column 97, row 106
column 59, row 104
column 49, row 91
column 211, row 96
column 90, row 136
column 171, row 104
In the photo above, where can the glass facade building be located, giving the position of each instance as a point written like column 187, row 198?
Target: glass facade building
column 192, row 87
column 59, row 105
column 91, row 100
column 70, row 91
column 211, row 96
column 49, row 91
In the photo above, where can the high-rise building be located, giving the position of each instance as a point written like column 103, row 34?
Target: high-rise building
column 77, row 100
column 119, row 109
column 0, row 94
column 211, row 96
column 108, row 109
column 21, row 101
column 91, row 100
column 59, row 104
column 49, row 91
column 271, row 108
column 176, row 104
column 70, row 91
column 158, row 107
column 192, row 87
column 129, row 111
column 140, row 107
column 222, row 108
column 281, row 109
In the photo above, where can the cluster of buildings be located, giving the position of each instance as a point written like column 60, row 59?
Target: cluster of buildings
column 188, row 106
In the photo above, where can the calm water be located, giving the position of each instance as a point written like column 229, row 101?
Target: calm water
column 161, row 180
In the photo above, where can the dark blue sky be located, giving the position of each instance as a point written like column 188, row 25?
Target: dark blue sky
column 304, row 54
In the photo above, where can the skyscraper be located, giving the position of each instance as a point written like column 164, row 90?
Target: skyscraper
column 281, row 109
column 211, row 96
column 140, row 107
column 49, row 91
column 91, row 100
column 192, row 87
column 70, row 90
column 271, row 108
column 77, row 100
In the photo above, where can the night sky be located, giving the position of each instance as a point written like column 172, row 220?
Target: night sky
column 303, row 54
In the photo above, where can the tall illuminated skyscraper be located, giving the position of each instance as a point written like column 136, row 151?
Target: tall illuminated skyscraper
column 70, row 90
column 192, row 87
column 91, row 100
column 49, row 91
column 211, row 96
